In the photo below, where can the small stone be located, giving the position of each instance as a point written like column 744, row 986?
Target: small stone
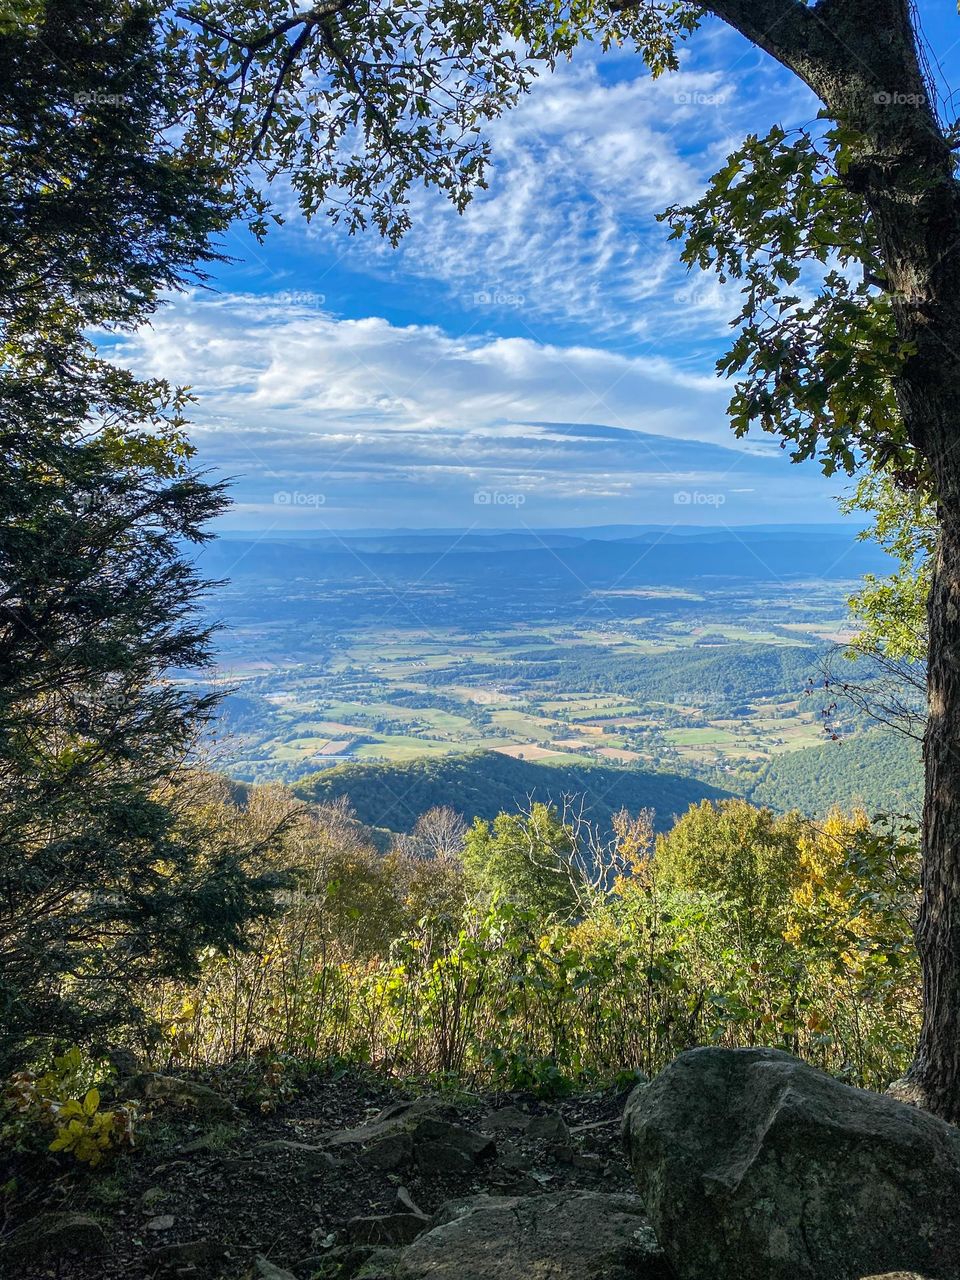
column 589, row 1161
column 407, row 1203
column 163, row 1222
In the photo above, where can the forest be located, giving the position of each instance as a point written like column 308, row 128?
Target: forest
column 623, row 942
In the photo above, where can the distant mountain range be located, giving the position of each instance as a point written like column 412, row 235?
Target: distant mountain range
column 646, row 558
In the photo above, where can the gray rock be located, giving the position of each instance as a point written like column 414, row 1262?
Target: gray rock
column 552, row 1127
column 184, row 1259
column 475, row 1146
column 416, row 1133
column 407, row 1203
column 181, row 1093
column 505, row 1120
column 385, row 1229
column 53, row 1235
column 433, row 1158
column 570, row 1235
column 400, row 1117
column 264, row 1269
column 163, row 1222
column 754, row 1166
column 389, row 1152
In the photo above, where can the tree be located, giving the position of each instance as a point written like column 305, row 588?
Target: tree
column 357, row 100
column 109, row 875
column 748, row 856
column 528, row 858
column 868, row 371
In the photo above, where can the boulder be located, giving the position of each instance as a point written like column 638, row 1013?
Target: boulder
column 569, row 1235
column 52, row 1235
column 754, row 1166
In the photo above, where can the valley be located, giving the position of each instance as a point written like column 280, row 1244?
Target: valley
column 523, row 651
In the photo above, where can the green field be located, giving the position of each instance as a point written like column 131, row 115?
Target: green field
column 704, row 682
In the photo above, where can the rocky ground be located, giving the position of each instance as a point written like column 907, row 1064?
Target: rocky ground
column 744, row 1165
column 347, row 1178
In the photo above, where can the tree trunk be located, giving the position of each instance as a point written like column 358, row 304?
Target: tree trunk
column 935, row 1075
column 860, row 57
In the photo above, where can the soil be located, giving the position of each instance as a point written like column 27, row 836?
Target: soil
column 202, row 1182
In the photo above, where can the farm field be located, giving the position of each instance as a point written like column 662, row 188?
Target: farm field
column 716, row 681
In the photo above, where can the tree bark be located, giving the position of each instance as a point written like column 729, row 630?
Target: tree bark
column 860, row 58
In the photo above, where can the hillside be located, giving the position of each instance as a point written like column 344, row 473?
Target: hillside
column 879, row 769
column 485, row 783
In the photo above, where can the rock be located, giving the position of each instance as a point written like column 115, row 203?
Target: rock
column 551, row 1127
column 182, row 1093
column 431, row 1135
column 355, row 1262
column 264, row 1269
column 187, row 1259
column 407, row 1203
column 415, row 1133
column 569, row 1235
column 436, row 1158
column 400, row 1117
column 163, row 1222
column 316, row 1159
column 53, row 1235
column 385, row 1229
column 392, row 1151
column 505, row 1120
column 754, row 1166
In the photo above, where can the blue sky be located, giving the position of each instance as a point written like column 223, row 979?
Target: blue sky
column 542, row 360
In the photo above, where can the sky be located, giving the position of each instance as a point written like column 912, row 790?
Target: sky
column 543, row 360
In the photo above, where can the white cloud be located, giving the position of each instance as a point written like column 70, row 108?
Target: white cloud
column 411, row 420
column 256, row 360
column 581, row 167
